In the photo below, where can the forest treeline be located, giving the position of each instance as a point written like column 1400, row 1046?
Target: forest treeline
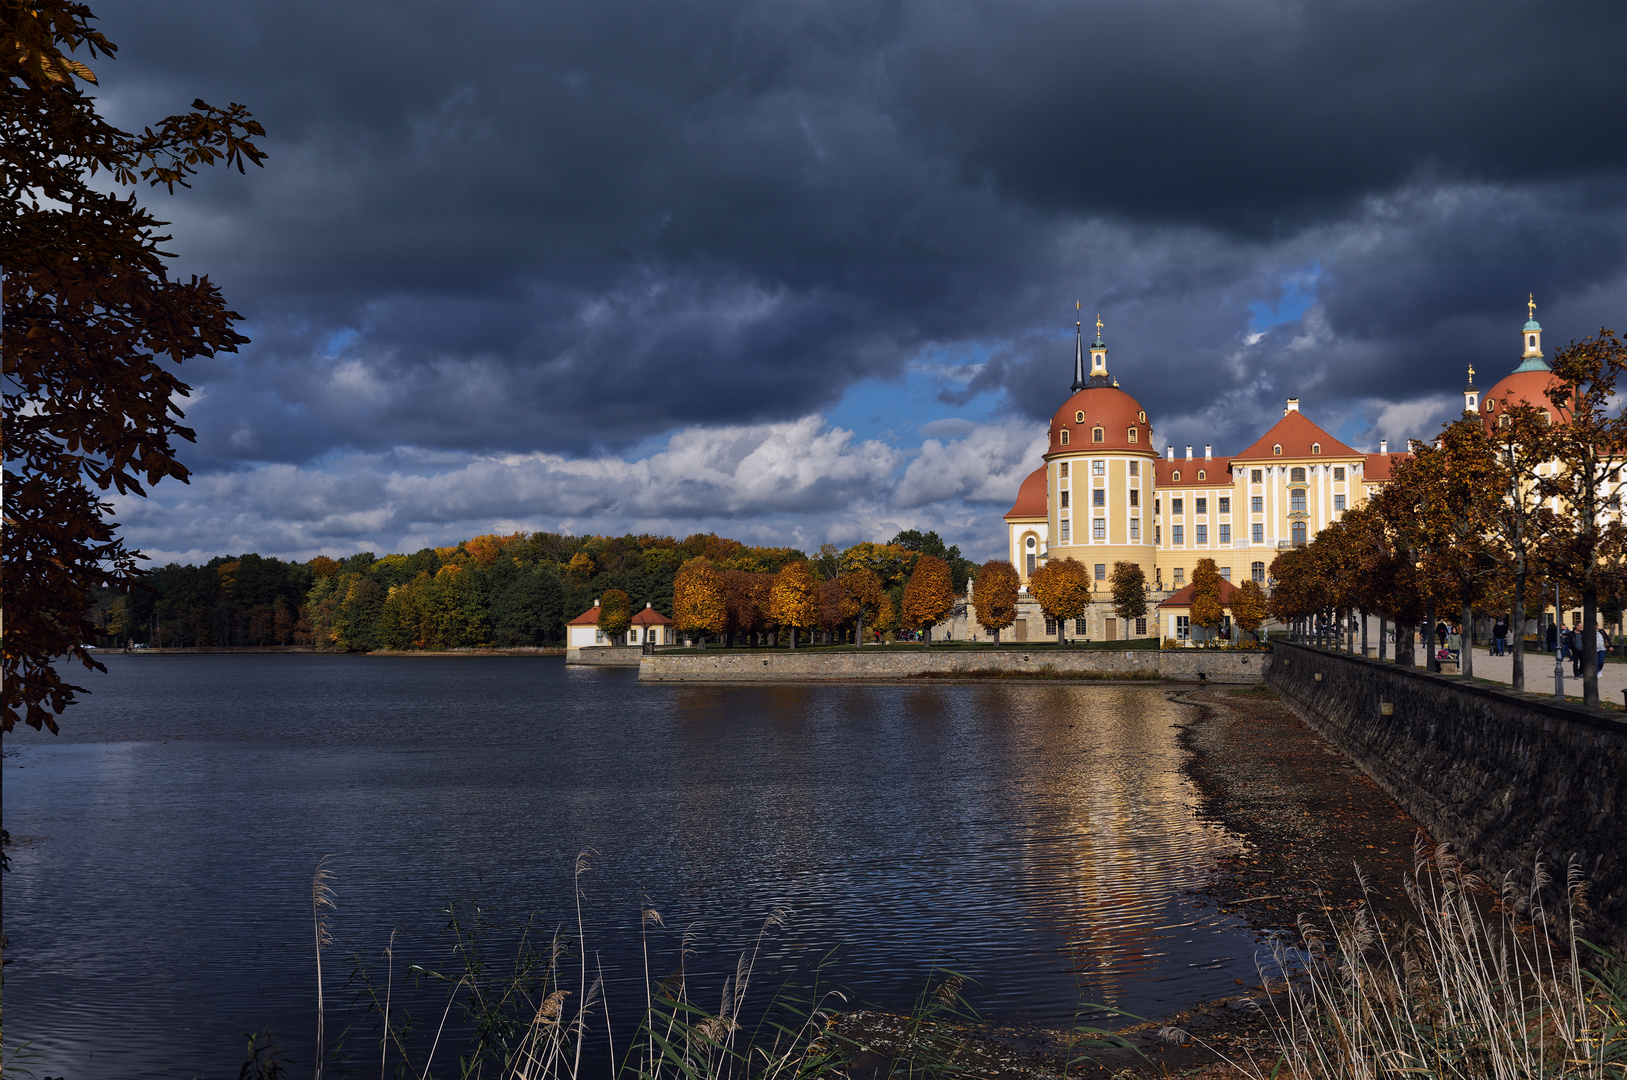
column 508, row 591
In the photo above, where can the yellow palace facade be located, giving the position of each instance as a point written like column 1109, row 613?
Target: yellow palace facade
column 1104, row 494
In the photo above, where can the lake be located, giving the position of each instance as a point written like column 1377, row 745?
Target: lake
column 1040, row 837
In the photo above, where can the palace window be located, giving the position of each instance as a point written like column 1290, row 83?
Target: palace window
column 1098, row 528
column 1225, row 573
column 1225, row 505
column 1098, row 435
column 1257, row 533
column 1030, row 564
column 1296, row 501
column 1257, row 572
column 1098, row 467
column 1135, row 528
column 1180, row 575
column 1202, row 474
column 1132, row 434
column 1203, row 506
column 1062, row 470
column 1176, row 475
column 1177, row 506
column 1098, row 497
column 1142, row 417
column 1296, row 476
column 1225, row 534
column 1338, row 502
column 1064, row 439
column 1141, row 628
column 1256, row 503
column 1177, row 534
column 1338, row 473
column 1135, row 468
column 1135, row 496
column 1101, row 574
column 1256, row 475
column 1079, row 626
column 1299, row 532
column 1050, row 625
column 1079, row 417
column 1277, row 449
column 1316, row 448
column 1200, row 534
column 1157, row 534
column 1065, row 530
column 1155, row 504
column 1064, row 499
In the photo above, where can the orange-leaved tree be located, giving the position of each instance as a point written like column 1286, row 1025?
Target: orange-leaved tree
column 863, row 596
column 794, row 601
column 929, row 597
column 1062, row 587
column 697, row 600
column 1128, row 583
column 1248, row 608
column 994, row 596
column 615, row 614
column 1207, row 609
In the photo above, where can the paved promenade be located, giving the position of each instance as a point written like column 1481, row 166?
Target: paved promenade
column 1539, row 673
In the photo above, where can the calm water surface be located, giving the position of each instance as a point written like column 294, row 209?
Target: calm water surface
column 1040, row 837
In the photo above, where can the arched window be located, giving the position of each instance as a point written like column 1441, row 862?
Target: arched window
column 1533, row 341
column 1257, row 572
column 1299, row 532
column 1176, row 475
column 1132, row 434
column 1277, row 449
column 1203, row 474
column 1064, row 439
column 1097, row 435
column 1502, row 421
column 1316, row 448
column 1079, row 417
column 1297, row 476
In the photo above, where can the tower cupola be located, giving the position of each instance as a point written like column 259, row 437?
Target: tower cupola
column 1098, row 357
column 1531, row 338
column 1471, row 394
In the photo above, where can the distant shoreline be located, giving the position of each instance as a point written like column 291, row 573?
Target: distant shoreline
column 306, row 650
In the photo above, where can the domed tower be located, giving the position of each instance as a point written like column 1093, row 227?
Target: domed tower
column 1097, row 480
column 1528, row 383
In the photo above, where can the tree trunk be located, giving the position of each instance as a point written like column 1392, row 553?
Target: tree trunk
column 1466, row 656
column 1383, row 652
column 1516, row 627
column 1590, row 645
column 1364, row 635
column 1060, row 623
column 858, row 630
column 1404, row 655
column 793, row 639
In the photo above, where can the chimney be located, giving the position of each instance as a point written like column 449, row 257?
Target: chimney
column 1169, row 453
column 1384, row 446
column 1189, row 453
column 595, row 601
column 1293, row 406
column 1208, row 451
column 646, row 603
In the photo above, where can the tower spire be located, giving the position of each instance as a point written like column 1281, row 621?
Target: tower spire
column 1078, row 352
column 1531, row 337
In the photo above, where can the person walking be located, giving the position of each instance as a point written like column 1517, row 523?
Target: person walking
column 1552, row 643
column 1499, row 638
column 1603, row 648
column 1573, row 643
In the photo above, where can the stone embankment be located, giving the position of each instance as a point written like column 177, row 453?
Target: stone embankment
column 1505, row 778
column 1187, row 665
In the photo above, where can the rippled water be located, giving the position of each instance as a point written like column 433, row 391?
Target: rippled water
column 1041, row 837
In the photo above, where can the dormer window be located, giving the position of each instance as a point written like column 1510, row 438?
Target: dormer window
column 1176, row 475
column 1132, row 434
column 1202, row 475
column 1098, row 435
column 1079, row 417
column 1142, row 417
column 1275, row 449
column 1316, row 448
column 1064, row 439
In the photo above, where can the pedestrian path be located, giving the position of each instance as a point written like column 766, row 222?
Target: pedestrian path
column 1539, row 673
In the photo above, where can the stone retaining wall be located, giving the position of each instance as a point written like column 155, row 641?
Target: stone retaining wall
column 606, row 655
column 1505, row 778
column 809, row 666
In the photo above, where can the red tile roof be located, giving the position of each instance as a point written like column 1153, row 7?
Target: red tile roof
column 1107, row 407
column 590, row 617
column 1031, row 500
column 1294, row 434
column 1380, row 466
column 1182, row 597
column 1216, row 472
column 651, row 617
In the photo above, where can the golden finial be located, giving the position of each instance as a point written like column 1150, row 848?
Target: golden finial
column 1531, row 305
column 1098, row 325
column 1471, row 373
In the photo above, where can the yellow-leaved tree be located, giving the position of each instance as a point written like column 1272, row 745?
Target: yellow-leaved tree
column 994, row 596
column 697, row 600
column 1062, row 587
column 1248, row 608
column 929, row 596
column 1207, row 607
column 794, row 601
column 615, row 614
column 863, row 596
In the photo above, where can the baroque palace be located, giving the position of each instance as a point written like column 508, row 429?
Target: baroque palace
column 1104, row 494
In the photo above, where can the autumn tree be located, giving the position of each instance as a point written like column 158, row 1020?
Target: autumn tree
column 1128, row 583
column 615, row 614
column 94, row 327
column 994, row 596
column 833, row 608
column 1248, row 608
column 864, row 596
column 1063, row 589
column 697, row 601
column 1207, row 609
column 794, row 601
column 1520, row 518
column 929, row 597
column 1590, row 450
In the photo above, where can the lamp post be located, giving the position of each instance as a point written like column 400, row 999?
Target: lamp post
column 1559, row 638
